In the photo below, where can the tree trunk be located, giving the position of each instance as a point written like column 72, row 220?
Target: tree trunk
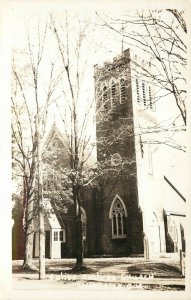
column 28, row 258
column 79, row 242
column 78, row 228
column 28, row 223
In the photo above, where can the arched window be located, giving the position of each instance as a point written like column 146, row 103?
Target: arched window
column 118, row 216
column 113, row 94
column 84, row 224
column 105, row 97
column 122, row 90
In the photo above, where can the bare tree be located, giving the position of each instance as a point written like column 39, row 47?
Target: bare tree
column 30, row 105
column 161, row 36
column 75, row 121
column 23, row 167
column 79, row 112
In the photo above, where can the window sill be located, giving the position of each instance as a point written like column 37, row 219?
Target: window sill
column 119, row 237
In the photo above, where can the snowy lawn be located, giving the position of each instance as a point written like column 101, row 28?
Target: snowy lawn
column 163, row 267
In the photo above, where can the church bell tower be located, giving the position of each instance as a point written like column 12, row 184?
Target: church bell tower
column 120, row 226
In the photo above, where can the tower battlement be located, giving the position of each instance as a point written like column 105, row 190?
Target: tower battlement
column 111, row 65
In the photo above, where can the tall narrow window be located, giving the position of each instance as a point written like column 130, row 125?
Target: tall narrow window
column 105, row 99
column 114, row 227
column 118, row 216
column 150, row 98
column 137, row 90
column 144, row 93
column 61, row 236
column 55, row 235
column 113, row 93
column 122, row 90
column 182, row 237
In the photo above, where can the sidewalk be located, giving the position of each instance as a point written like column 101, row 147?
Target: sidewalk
column 56, row 289
column 116, row 279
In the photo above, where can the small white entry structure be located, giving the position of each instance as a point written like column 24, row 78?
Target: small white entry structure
column 55, row 235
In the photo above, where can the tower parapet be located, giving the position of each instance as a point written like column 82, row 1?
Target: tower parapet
column 113, row 67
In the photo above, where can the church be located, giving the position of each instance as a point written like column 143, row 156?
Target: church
column 141, row 123
column 138, row 208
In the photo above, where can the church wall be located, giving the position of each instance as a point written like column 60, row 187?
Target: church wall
column 133, row 243
column 155, row 159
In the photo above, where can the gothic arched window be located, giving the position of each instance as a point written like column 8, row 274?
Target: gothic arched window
column 105, row 97
column 122, row 90
column 118, row 216
column 113, row 93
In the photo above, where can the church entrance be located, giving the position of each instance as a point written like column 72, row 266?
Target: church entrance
column 154, row 235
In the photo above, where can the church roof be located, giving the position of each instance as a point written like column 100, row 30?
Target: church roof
column 52, row 217
column 55, row 132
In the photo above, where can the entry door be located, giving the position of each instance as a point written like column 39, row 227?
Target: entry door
column 58, row 238
column 155, row 235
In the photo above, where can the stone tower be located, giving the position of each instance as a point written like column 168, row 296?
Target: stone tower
column 119, row 219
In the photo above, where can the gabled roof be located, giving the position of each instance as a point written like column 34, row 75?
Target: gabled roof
column 55, row 132
column 52, row 217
